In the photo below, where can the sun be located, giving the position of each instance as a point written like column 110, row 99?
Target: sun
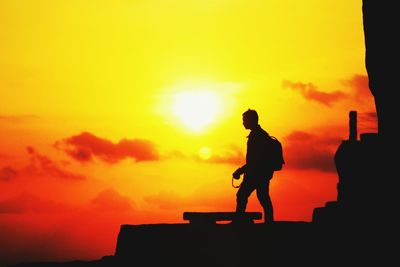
column 196, row 109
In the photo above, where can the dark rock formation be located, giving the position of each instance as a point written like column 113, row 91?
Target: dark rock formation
column 280, row 244
column 382, row 44
column 380, row 20
column 367, row 167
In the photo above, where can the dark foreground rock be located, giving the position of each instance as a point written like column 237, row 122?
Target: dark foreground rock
column 281, row 243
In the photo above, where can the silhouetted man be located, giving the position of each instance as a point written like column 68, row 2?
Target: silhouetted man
column 257, row 173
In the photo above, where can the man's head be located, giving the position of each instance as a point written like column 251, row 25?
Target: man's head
column 250, row 119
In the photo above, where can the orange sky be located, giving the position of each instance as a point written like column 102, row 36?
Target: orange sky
column 129, row 112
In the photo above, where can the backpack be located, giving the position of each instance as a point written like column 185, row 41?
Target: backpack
column 276, row 153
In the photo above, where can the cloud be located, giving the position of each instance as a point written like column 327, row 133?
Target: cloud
column 111, row 200
column 311, row 92
column 40, row 165
column 203, row 198
column 367, row 119
column 27, row 202
column 85, row 146
column 360, row 85
column 43, row 165
column 62, row 230
column 234, row 157
column 166, row 200
column 227, row 155
column 367, row 122
column 105, row 201
column 368, row 116
column 16, row 118
column 303, row 150
column 8, row 173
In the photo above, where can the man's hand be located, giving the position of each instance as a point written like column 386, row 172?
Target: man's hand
column 237, row 173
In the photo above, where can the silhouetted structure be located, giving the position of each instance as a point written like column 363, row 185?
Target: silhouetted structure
column 359, row 166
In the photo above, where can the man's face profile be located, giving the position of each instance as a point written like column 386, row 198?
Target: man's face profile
column 246, row 123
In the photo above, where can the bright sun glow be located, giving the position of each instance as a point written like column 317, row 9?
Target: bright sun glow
column 196, row 109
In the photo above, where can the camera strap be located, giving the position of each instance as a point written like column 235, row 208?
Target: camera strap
column 233, row 184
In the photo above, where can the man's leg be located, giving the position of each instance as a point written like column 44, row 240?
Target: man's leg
column 242, row 196
column 265, row 201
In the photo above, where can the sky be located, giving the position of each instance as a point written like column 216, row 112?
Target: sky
column 130, row 112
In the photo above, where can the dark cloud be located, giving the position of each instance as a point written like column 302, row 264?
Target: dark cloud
column 111, row 200
column 85, row 146
column 8, row 173
column 43, row 165
column 311, row 92
column 303, row 150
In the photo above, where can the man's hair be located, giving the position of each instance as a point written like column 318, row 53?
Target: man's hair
column 251, row 115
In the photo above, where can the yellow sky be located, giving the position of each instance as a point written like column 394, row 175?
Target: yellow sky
column 113, row 59
column 114, row 68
